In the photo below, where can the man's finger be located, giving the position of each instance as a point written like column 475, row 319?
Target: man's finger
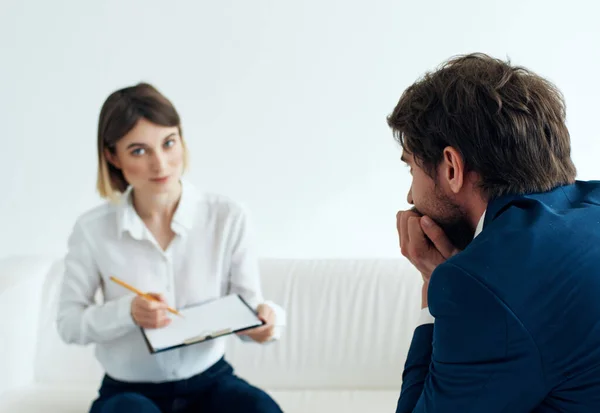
column 398, row 227
column 438, row 237
column 416, row 235
column 403, row 231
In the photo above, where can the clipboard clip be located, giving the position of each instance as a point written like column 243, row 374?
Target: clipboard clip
column 203, row 336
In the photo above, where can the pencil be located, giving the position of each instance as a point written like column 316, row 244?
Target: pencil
column 143, row 294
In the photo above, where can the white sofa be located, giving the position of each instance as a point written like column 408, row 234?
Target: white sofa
column 350, row 323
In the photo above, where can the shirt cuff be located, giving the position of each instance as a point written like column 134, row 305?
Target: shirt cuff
column 124, row 316
column 425, row 317
column 280, row 320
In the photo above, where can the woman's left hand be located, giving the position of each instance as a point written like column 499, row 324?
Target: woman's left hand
column 264, row 332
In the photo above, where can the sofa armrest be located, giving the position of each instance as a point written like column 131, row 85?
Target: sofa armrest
column 21, row 286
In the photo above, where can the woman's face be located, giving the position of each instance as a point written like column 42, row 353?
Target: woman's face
column 150, row 156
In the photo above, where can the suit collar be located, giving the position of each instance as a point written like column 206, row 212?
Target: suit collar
column 497, row 206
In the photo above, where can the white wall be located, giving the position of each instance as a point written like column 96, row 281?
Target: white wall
column 283, row 102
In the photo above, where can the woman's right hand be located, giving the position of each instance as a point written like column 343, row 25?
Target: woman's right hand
column 149, row 313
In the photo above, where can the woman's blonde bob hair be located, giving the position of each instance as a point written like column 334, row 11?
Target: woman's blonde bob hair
column 119, row 114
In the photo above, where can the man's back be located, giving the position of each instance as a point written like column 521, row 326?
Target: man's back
column 539, row 258
column 516, row 314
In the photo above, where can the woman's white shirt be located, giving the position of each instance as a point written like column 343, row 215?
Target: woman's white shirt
column 210, row 256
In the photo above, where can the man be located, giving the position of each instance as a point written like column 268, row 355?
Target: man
column 507, row 241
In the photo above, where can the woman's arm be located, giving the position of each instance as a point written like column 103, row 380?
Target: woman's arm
column 80, row 319
column 244, row 274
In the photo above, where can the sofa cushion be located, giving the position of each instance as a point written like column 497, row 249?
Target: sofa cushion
column 350, row 323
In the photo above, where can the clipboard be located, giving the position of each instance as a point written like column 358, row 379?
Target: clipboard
column 213, row 319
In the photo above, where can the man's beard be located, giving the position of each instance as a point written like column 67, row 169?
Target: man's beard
column 452, row 220
column 458, row 231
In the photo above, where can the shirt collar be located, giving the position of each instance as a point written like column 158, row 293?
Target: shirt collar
column 479, row 227
column 183, row 219
column 127, row 218
column 186, row 212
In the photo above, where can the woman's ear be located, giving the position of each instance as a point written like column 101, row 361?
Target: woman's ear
column 112, row 158
column 453, row 169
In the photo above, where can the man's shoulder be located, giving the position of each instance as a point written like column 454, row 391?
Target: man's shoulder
column 533, row 246
column 529, row 237
column 578, row 200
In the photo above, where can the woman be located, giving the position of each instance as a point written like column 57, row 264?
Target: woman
column 159, row 234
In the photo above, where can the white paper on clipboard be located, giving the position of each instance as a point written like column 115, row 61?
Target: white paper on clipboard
column 213, row 319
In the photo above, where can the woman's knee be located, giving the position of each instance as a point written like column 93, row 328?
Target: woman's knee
column 253, row 400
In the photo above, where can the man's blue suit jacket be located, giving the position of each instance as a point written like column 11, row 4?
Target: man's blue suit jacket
column 517, row 313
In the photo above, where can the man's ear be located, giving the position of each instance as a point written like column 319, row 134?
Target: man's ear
column 112, row 158
column 452, row 169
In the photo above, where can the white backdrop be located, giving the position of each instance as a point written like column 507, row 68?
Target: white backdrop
column 283, row 102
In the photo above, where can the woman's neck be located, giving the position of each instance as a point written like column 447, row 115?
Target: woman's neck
column 157, row 207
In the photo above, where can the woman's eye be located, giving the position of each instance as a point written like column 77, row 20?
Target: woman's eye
column 138, row 152
column 169, row 143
